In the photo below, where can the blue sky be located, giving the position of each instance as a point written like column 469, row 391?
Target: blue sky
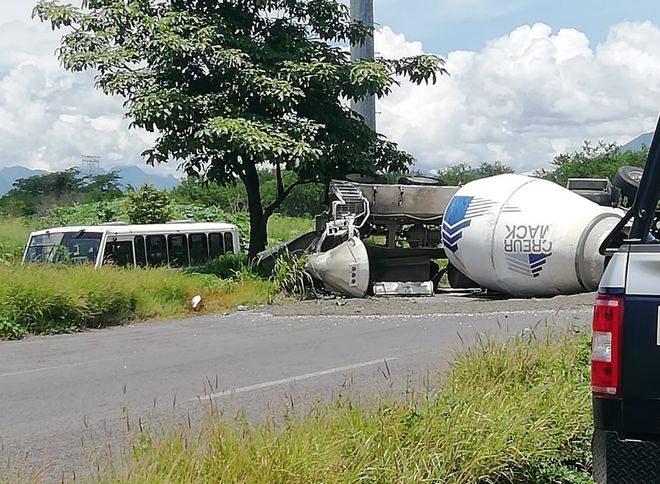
column 529, row 80
column 447, row 25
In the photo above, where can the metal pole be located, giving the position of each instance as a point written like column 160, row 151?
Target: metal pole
column 363, row 10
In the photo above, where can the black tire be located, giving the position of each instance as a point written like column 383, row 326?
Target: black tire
column 360, row 178
column 458, row 280
column 627, row 180
column 421, row 180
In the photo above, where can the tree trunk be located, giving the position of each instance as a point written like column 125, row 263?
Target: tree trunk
column 258, row 221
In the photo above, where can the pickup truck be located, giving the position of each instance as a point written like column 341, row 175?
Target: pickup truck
column 625, row 362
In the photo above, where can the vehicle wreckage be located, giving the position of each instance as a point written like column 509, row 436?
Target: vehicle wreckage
column 510, row 234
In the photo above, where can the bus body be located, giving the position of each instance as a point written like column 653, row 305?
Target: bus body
column 179, row 244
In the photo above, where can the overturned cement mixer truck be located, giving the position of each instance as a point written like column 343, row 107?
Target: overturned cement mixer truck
column 527, row 237
column 509, row 234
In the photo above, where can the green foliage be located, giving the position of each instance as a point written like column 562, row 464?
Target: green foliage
column 224, row 267
column 231, row 86
column 303, row 200
column 281, row 228
column 148, row 205
column 290, row 277
column 231, row 197
column 86, row 214
column 599, row 161
column 13, row 236
column 463, row 173
column 37, row 194
column 47, row 299
column 507, row 412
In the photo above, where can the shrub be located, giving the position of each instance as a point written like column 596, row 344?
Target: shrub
column 290, row 276
column 148, row 205
column 224, row 267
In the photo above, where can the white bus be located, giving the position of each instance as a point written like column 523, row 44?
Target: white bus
column 174, row 244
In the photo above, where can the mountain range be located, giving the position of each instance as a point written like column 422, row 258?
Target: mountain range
column 128, row 175
column 135, row 176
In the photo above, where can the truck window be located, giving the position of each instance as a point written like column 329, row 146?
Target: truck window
column 216, row 245
column 140, row 252
column 156, row 250
column 199, row 249
column 178, row 249
column 119, row 253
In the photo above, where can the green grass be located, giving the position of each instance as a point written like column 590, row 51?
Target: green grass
column 513, row 412
column 282, row 228
column 13, row 236
column 47, row 299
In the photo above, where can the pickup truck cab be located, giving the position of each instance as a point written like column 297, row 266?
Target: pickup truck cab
column 625, row 362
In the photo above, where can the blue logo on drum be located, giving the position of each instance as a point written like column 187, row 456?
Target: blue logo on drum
column 529, row 265
column 458, row 217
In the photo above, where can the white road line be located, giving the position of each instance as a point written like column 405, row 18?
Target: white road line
column 291, row 379
column 63, row 365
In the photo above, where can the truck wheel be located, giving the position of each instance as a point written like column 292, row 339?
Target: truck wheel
column 627, row 179
column 458, row 280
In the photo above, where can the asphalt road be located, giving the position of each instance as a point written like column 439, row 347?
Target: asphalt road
column 69, row 401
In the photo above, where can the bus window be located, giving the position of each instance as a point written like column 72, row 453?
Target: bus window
column 178, row 248
column 229, row 242
column 216, row 246
column 119, row 253
column 79, row 247
column 156, row 250
column 140, row 253
column 199, row 250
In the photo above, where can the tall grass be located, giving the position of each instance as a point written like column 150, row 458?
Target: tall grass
column 282, row 228
column 13, row 235
column 514, row 412
column 46, row 299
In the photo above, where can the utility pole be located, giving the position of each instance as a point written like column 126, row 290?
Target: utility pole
column 363, row 10
column 90, row 164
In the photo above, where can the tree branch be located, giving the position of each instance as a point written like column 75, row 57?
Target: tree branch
column 270, row 209
column 280, row 183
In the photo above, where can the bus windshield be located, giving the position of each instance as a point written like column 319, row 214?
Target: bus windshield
column 79, row 247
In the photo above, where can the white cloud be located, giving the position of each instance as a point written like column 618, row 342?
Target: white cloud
column 527, row 96
column 522, row 99
column 50, row 117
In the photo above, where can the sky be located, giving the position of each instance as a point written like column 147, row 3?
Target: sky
column 529, row 79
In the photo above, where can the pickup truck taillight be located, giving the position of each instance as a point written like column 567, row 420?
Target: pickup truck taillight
column 606, row 345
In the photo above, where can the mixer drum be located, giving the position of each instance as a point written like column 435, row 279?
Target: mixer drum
column 526, row 237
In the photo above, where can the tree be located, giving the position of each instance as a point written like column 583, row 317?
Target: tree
column 592, row 161
column 148, row 205
column 230, row 197
column 463, row 173
column 103, row 186
column 232, row 85
column 40, row 193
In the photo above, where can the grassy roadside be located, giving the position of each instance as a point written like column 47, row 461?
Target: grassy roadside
column 57, row 299
column 509, row 412
column 47, row 299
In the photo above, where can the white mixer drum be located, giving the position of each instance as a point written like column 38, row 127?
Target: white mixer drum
column 526, row 237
